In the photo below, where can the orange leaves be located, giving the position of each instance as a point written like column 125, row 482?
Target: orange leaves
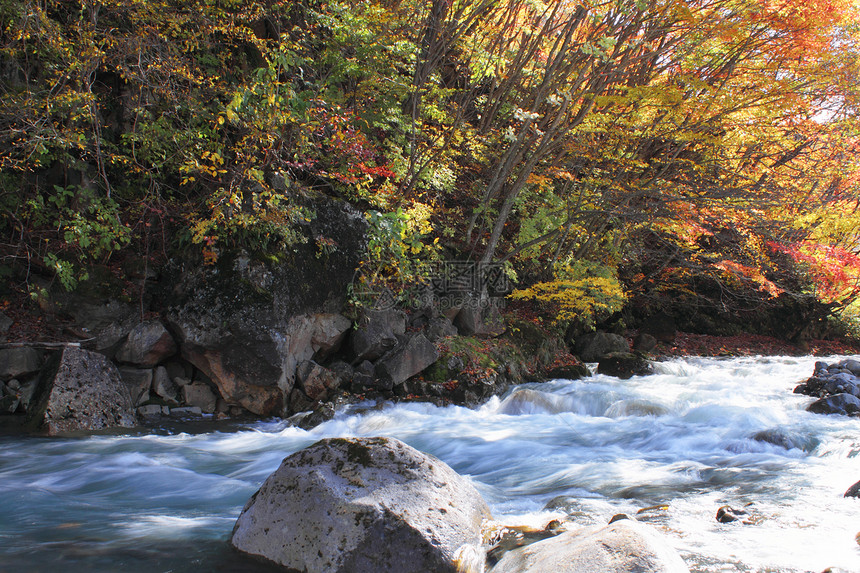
column 751, row 274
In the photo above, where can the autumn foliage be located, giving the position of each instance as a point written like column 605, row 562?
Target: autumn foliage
column 700, row 151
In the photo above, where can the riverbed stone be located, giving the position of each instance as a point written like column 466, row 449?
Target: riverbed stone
column 625, row 546
column 148, row 344
column 316, row 381
column 16, row 362
column 80, row 390
column 362, row 505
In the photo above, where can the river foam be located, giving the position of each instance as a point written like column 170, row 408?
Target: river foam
column 697, row 434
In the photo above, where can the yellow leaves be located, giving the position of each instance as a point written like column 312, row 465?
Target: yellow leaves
column 583, row 291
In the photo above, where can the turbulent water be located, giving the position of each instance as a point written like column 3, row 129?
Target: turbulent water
column 681, row 439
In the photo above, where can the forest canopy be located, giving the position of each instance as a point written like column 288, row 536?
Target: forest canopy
column 643, row 151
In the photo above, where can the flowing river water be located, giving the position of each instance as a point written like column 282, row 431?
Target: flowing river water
column 585, row 450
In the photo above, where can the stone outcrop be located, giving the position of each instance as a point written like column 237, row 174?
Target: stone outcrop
column 247, row 323
column 80, row 390
column 362, row 505
column 625, row 546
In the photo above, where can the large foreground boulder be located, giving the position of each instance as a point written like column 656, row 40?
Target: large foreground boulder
column 625, row 546
column 80, row 390
column 361, row 505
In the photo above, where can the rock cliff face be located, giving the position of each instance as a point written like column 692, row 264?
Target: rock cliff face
column 247, row 324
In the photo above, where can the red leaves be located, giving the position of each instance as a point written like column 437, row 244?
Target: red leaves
column 834, row 270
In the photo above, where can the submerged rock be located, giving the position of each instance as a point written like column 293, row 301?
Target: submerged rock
column 362, row 505
column 625, row 546
column 80, row 390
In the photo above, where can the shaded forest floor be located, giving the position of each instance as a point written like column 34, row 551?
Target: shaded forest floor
column 687, row 344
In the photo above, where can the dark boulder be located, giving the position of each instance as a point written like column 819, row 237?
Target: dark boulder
column 568, row 372
column 644, row 342
column 661, row 326
column 148, row 344
column 318, row 383
column 80, row 390
column 844, row 404
column 727, row 514
column 377, row 333
column 18, row 362
column 853, row 491
column 624, row 365
column 594, row 346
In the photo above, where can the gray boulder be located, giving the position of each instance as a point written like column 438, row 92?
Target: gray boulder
column 148, row 344
column 362, row 505
column 593, row 346
column 408, row 359
column 440, row 327
column 17, row 362
column 625, row 546
column 80, row 390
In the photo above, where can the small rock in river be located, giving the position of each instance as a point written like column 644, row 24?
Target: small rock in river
column 853, row 491
column 727, row 514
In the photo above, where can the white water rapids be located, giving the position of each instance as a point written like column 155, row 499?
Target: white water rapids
column 582, row 450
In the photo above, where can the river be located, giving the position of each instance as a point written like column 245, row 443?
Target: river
column 585, row 450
